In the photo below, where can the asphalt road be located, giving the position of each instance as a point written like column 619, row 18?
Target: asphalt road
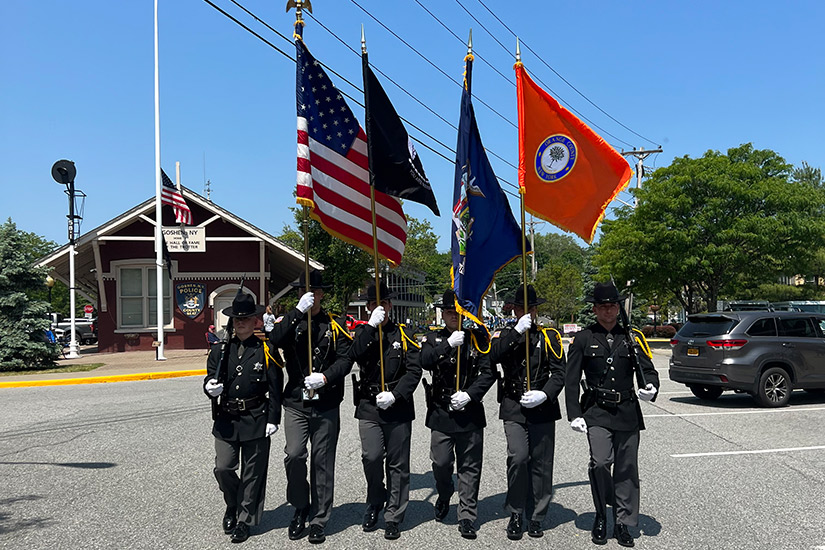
column 129, row 465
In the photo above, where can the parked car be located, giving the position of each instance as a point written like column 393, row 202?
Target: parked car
column 85, row 330
column 764, row 353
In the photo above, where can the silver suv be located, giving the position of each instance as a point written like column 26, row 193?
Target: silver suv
column 764, row 353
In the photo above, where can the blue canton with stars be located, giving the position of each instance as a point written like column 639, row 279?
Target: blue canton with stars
column 329, row 120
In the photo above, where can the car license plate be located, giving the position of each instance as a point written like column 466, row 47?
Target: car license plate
column 693, row 352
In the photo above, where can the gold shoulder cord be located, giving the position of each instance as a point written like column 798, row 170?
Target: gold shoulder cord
column 643, row 343
column 475, row 343
column 547, row 342
column 337, row 328
column 405, row 338
column 268, row 356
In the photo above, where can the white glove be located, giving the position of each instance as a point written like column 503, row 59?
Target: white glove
column 384, row 400
column 213, row 388
column 377, row 317
column 524, row 323
column 306, row 302
column 315, row 380
column 456, row 339
column 459, row 400
column 271, row 429
column 579, row 425
column 533, row 398
column 648, row 393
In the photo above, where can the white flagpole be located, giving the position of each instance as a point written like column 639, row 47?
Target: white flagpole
column 158, row 218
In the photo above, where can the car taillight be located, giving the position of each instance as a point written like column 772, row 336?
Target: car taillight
column 674, row 342
column 727, row 344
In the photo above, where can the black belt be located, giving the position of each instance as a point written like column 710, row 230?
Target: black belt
column 613, row 396
column 515, row 389
column 241, row 405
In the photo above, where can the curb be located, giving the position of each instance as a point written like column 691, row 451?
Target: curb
column 104, row 379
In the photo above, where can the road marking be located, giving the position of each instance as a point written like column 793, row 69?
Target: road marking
column 674, row 392
column 767, row 411
column 761, row 451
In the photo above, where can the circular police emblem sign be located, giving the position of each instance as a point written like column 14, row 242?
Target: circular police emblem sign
column 555, row 157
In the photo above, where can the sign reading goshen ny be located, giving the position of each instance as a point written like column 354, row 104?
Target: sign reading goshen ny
column 186, row 239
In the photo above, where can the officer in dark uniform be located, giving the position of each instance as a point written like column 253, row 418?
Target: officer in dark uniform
column 247, row 410
column 312, row 399
column 385, row 414
column 455, row 413
column 609, row 412
column 529, row 413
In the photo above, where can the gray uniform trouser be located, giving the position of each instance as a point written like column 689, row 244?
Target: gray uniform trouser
column 621, row 487
column 320, row 429
column 465, row 450
column 391, row 440
column 245, row 493
column 530, row 451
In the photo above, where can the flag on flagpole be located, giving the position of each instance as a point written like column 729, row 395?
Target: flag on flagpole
column 394, row 162
column 485, row 235
column 567, row 172
column 333, row 169
column 170, row 195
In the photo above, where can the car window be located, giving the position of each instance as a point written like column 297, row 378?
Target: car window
column 762, row 327
column 821, row 326
column 796, row 328
column 707, row 326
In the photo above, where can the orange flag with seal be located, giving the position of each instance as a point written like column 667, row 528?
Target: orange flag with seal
column 567, row 173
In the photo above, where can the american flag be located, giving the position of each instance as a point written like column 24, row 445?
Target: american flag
column 333, row 167
column 170, row 195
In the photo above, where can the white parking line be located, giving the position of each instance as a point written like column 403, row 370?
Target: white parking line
column 764, row 411
column 675, row 392
column 761, row 451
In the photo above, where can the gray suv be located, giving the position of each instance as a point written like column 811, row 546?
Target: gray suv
column 764, row 353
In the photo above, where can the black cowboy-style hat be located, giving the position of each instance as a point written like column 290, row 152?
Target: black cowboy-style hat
column 447, row 300
column 369, row 295
column 243, row 306
column 532, row 297
column 605, row 293
column 315, row 281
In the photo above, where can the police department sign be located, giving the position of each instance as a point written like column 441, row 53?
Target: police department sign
column 555, row 158
column 190, row 298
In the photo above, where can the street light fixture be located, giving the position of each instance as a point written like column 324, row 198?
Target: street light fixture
column 50, row 284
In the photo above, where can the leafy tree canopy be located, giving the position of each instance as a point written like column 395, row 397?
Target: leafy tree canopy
column 711, row 227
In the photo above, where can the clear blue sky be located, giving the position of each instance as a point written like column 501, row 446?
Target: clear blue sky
column 77, row 83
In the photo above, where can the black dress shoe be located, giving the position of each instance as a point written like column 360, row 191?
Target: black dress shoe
column 514, row 527
column 230, row 519
column 316, row 534
column 534, row 529
column 599, row 532
column 241, row 533
column 622, row 536
column 441, row 509
column 465, row 527
column 371, row 517
column 298, row 524
column 391, row 532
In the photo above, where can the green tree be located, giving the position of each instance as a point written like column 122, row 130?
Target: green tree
column 708, row 228
column 561, row 285
column 23, row 320
column 421, row 253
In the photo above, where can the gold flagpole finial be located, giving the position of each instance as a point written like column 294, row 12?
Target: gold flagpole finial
column 299, row 5
column 363, row 41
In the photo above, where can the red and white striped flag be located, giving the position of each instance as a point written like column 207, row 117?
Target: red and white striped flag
column 170, row 195
column 333, row 168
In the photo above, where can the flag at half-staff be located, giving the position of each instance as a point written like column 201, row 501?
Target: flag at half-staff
column 485, row 235
column 171, row 195
column 333, row 166
column 567, row 172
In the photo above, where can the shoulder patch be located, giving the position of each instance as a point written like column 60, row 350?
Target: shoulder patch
column 496, row 334
column 279, row 319
column 423, row 338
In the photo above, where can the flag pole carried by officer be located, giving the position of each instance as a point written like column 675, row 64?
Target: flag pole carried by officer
column 312, row 399
column 455, row 412
column 600, row 360
column 248, row 413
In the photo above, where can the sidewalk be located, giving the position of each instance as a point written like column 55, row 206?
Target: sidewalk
column 117, row 367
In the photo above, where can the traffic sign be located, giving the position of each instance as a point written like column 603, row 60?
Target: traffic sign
column 88, row 308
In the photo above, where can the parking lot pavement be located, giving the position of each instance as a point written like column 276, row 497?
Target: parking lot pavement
column 129, row 466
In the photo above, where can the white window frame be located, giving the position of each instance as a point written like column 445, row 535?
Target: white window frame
column 145, row 265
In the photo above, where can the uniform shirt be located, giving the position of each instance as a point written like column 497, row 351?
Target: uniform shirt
column 588, row 355
column 402, row 371
column 330, row 352
column 246, row 376
column 547, row 367
column 269, row 321
column 475, row 377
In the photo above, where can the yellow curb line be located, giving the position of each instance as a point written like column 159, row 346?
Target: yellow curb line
column 105, row 379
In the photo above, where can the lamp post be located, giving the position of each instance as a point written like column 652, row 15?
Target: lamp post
column 50, row 284
column 63, row 172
